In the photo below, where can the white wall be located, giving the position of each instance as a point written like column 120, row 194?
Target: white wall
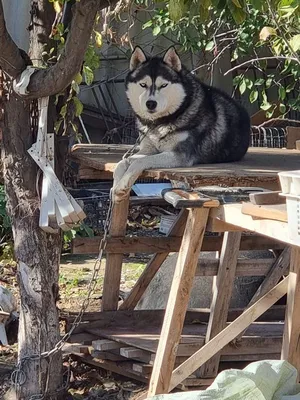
column 17, row 21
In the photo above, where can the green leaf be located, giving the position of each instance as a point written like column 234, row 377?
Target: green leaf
column 249, row 83
column 290, row 87
column 282, row 108
column 148, row 24
column 57, row 125
column 78, row 106
column 98, row 39
column 253, row 96
column 238, row 14
column 266, row 32
column 156, row 30
column 281, row 93
column 266, row 106
column 210, row 45
column 259, row 82
column 88, row 75
column 78, row 78
column 177, row 9
column 295, row 42
column 269, row 82
column 237, row 3
column 63, row 111
column 243, row 86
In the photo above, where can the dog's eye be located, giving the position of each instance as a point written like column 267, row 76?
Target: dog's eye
column 164, row 85
column 143, row 85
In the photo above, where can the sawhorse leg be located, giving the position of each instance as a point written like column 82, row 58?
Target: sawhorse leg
column 291, row 336
column 222, row 292
column 113, row 268
column 178, row 301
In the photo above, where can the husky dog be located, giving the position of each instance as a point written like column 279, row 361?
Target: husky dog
column 181, row 121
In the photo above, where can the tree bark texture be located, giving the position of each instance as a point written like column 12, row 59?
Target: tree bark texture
column 37, row 253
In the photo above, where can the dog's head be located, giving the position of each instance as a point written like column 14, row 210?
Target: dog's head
column 154, row 85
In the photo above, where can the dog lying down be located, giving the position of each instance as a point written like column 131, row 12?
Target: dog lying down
column 181, row 121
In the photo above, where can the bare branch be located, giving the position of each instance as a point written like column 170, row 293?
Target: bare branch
column 253, row 60
column 10, row 57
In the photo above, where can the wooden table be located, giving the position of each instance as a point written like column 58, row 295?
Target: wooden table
column 259, row 168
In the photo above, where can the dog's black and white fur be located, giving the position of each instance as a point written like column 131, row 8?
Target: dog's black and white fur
column 182, row 122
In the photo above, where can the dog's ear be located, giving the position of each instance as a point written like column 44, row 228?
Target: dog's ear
column 171, row 58
column 137, row 57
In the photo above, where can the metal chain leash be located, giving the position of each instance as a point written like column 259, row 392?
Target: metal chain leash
column 18, row 377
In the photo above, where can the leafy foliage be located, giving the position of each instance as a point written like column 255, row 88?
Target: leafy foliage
column 265, row 32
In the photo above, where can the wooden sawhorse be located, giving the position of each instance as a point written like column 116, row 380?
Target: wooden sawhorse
column 191, row 224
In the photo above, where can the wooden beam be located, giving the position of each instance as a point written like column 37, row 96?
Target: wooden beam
column 105, row 345
column 153, row 266
column 228, row 334
column 178, row 301
column 291, row 336
column 222, row 292
column 163, row 244
column 113, row 267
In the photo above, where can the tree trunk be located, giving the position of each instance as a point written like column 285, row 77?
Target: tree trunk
column 37, row 253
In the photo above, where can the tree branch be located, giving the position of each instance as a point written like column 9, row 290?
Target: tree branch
column 253, row 60
column 53, row 80
column 10, row 57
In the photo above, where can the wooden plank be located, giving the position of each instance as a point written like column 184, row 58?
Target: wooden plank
column 105, row 344
column 94, row 174
column 291, row 337
column 147, row 317
column 151, row 245
column 279, row 268
column 231, row 213
column 113, row 266
column 275, row 211
column 263, row 198
column 105, row 355
column 121, row 368
column 127, row 245
column 178, row 300
column 222, row 292
column 153, row 266
column 135, row 354
column 228, row 334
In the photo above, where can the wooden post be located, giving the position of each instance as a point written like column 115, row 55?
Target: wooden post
column 178, row 301
column 113, row 268
column 291, row 335
column 222, row 292
column 153, row 266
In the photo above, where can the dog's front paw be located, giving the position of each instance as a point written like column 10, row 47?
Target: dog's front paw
column 120, row 190
column 120, row 170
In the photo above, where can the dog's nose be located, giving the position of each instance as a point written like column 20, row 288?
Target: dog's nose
column 151, row 105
